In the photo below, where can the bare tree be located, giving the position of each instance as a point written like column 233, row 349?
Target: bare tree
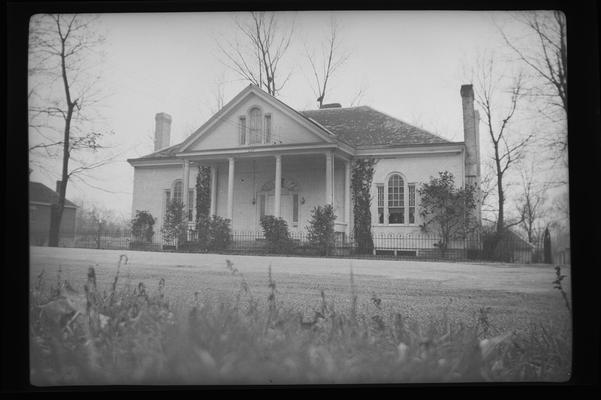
column 59, row 49
column 257, row 58
column 548, row 60
column 359, row 95
column 530, row 205
column 325, row 64
column 507, row 148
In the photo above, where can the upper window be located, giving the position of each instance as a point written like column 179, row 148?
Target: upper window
column 267, row 128
column 242, row 130
column 255, row 134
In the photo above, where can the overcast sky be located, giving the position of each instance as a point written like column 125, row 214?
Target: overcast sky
column 409, row 64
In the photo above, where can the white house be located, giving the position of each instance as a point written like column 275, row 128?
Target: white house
column 268, row 159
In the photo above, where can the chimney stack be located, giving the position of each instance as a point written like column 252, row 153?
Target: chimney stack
column 471, row 138
column 471, row 121
column 162, row 131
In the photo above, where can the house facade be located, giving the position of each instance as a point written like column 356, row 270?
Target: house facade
column 266, row 158
column 41, row 199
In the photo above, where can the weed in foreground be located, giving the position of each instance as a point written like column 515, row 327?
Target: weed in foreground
column 137, row 336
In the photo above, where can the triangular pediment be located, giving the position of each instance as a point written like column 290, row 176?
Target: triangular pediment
column 255, row 110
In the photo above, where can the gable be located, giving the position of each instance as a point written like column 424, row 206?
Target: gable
column 287, row 126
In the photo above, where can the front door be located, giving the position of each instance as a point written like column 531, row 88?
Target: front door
column 285, row 207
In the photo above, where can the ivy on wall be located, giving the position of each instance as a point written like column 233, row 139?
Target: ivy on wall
column 203, row 191
column 363, row 172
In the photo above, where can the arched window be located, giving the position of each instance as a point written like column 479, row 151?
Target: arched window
column 396, row 200
column 255, row 133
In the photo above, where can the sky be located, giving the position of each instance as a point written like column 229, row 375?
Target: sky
column 409, row 63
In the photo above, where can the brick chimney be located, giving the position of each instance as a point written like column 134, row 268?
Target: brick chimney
column 471, row 138
column 162, row 131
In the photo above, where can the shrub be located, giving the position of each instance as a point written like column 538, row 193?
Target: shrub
column 174, row 225
column 321, row 228
column 213, row 233
column 142, row 226
column 446, row 209
column 276, row 233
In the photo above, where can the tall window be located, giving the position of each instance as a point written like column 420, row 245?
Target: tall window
column 242, row 130
column 267, row 128
column 190, row 204
column 177, row 192
column 255, row 134
column 295, row 208
column 411, row 187
column 167, row 201
column 381, row 204
column 396, row 200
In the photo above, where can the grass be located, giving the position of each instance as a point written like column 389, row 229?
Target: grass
column 131, row 332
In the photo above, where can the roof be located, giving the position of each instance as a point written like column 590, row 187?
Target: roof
column 357, row 126
column 41, row 193
column 364, row 126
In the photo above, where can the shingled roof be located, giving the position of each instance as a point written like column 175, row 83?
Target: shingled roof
column 364, row 126
column 357, row 126
column 41, row 193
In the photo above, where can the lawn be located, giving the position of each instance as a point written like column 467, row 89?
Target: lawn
column 517, row 295
column 435, row 298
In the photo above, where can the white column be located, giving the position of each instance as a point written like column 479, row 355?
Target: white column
column 230, row 190
column 277, row 186
column 347, row 196
column 213, row 210
column 329, row 178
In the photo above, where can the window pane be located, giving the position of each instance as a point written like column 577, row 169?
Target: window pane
column 242, row 130
column 255, row 126
column 411, row 203
column 177, row 192
column 380, row 215
column 380, row 196
column 190, row 204
column 396, row 191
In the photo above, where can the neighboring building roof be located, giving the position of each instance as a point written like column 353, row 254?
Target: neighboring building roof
column 364, row 126
column 41, row 193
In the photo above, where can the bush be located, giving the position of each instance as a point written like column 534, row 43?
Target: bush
column 212, row 234
column 277, row 235
column 142, row 226
column 321, row 229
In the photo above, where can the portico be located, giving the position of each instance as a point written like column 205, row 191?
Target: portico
column 284, row 184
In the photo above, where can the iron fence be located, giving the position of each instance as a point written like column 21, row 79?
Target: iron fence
column 391, row 246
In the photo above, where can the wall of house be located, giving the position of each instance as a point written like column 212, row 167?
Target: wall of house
column 225, row 133
column 39, row 224
column 415, row 169
column 150, row 184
